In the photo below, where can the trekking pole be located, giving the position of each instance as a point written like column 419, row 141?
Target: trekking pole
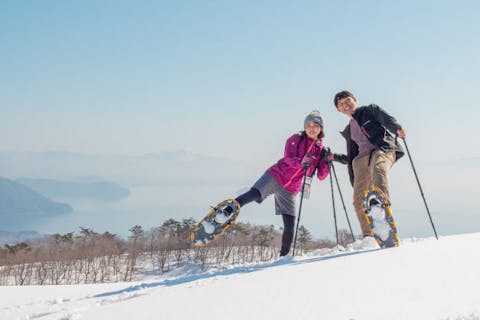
column 333, row 204
column 420, row 187
column 299, row 211
column 341, row 198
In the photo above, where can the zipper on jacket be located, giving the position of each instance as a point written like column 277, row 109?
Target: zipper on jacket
column 299, row 169
column 365, row 132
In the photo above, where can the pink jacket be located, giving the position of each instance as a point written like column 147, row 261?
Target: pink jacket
column 288, row 171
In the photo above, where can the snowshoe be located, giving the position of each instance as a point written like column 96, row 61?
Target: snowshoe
column 379, row 217
column 215, row 223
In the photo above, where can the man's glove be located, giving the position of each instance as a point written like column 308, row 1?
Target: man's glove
column 327, row 154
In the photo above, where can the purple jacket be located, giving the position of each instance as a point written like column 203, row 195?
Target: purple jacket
column 288, row 171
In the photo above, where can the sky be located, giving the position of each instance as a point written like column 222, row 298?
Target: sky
column 117, row 77
column 234, row 79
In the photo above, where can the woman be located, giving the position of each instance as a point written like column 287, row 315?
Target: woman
column 303, row 151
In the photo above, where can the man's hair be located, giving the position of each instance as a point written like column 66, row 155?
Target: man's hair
column 342, row 95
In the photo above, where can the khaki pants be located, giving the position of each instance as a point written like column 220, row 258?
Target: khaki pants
column 367, row 176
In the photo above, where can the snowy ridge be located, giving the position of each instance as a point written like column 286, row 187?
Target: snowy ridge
column 423, row 279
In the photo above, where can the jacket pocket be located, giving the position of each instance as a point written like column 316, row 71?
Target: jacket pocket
column 374, row 131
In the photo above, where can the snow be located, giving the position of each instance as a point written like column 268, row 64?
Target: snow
column 422, row 279
column 208, row 227
column 380, row 224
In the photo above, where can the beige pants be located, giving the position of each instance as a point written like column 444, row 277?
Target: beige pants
column 367, row 176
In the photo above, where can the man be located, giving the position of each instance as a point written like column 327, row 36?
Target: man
column 372, row 148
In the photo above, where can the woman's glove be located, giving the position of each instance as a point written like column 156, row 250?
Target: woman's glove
column 306, row 161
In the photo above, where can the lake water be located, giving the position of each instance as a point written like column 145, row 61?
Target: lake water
column 150, row 206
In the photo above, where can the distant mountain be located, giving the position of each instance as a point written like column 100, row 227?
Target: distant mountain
column 177, row 168
column 55, row 189
column 19, row 200
column 7, row 237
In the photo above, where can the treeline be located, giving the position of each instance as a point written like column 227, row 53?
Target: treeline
column 92, row 257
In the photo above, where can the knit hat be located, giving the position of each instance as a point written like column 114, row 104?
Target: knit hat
column 342, row 95
column 315, row 117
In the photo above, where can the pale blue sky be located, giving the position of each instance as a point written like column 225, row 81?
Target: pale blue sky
column 236, row 79
column 135, row 77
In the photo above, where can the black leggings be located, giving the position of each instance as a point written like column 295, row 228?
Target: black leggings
column 287, row 236
column 288, row 220
column 249, row 196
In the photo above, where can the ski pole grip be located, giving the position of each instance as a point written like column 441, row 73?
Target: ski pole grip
column 307, row 159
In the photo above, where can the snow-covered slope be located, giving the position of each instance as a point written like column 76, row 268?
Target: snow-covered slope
column 423, row 279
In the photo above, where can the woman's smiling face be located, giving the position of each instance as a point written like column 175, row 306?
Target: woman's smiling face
column 313, row 129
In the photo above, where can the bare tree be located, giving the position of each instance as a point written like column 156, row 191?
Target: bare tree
column 134, row 248
column 91, row 257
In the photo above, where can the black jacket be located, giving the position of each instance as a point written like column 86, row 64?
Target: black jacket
column 378, row 126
